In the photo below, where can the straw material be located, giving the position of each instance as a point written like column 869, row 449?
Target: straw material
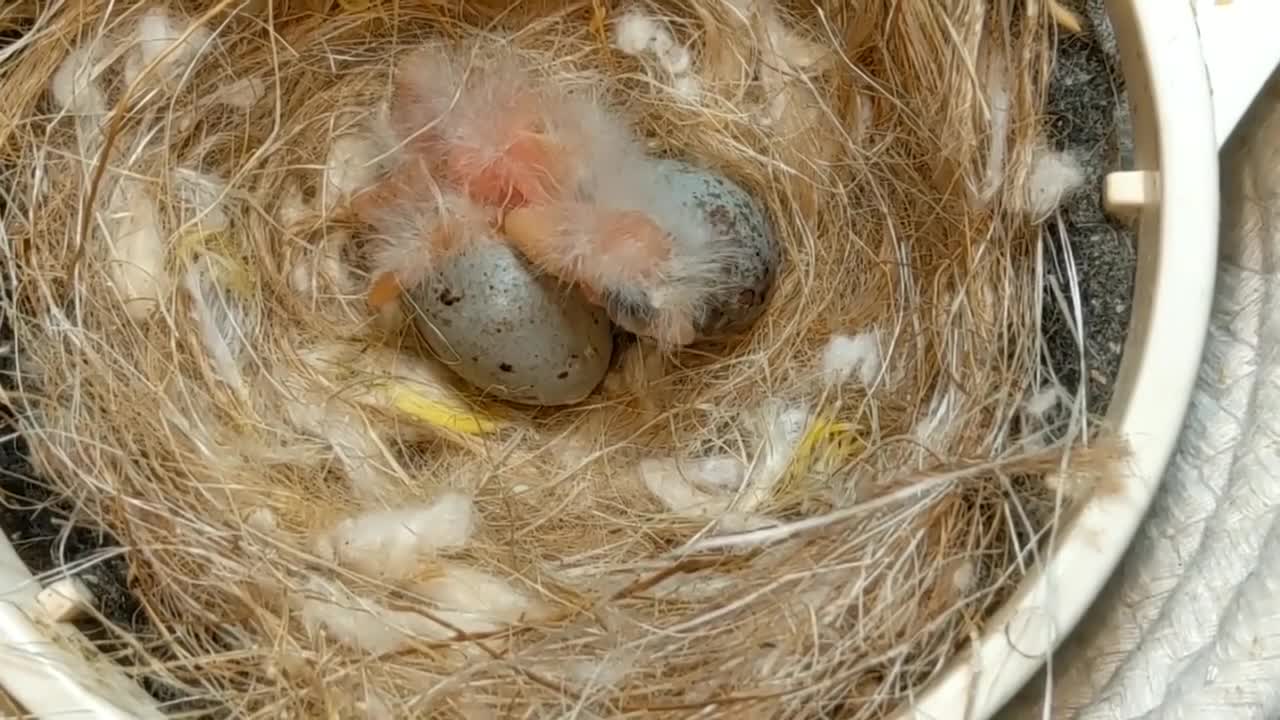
column 808, row 521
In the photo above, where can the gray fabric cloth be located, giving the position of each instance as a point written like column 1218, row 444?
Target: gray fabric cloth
column 1189, row 625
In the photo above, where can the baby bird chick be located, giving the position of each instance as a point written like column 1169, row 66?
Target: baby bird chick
column 565, row 178
column 419, row 224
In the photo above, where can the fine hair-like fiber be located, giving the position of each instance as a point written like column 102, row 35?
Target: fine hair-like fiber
column 742, row 528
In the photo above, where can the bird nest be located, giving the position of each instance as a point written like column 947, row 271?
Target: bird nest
column 805, row 520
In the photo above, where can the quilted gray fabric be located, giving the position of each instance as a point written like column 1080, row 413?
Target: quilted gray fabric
column 1189, row 626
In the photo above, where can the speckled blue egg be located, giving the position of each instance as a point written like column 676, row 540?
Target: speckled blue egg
column 511, row 332
column 739, row 218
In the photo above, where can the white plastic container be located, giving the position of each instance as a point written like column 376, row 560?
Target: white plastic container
column 1173, row 189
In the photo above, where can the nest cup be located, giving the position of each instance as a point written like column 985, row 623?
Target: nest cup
column 808, row 520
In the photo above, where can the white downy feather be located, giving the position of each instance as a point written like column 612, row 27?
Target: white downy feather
column 155, row 33
column 324, row 271
column 204, row 198
column 716, row 474
column 676, row 60
column 242, row 94
column 687, row 87
column 482, row 597
column 369, row 467
column 293, row 208
column 999, row 103
column 224, row 327
column 362, row 623
column 369, row 625
column 785, row 58
column 75, row 89
column 352, row 166
column 934, row 427
column 696, row 488
column 636, row 33
column 665, row 478
column 262, row 519
column 1054, row 177
column 1038, row 410
column 601, row 673
column 780, row 429
column 392, row 543
column 675, row 484
column 845, row 356
column 74, row 84
column 137, row 247
column 1045, row 400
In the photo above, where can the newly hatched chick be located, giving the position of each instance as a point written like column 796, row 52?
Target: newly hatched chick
column 471, row 140
column 564, row 176
column 647, row 248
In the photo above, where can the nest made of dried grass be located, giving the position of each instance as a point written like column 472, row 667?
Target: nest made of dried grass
column 199, row 375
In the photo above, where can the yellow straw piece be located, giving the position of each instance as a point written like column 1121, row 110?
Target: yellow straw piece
column 826, row 442
column 439, row 414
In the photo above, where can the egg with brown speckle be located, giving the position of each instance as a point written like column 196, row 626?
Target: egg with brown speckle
column 741, row 222
column 512, row 333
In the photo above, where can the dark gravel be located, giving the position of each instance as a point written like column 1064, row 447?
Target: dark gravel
column 1089, row 117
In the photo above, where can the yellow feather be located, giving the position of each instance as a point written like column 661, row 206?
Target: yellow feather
column 434, row 412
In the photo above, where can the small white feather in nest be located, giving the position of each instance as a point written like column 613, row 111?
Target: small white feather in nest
column 999, row 105
column 1039, row 412
column 846, row 356
column 137, row 249
column 492, row 605
column 158, row 36
column 713, row 488
column 687, row 87
column 937, row 423
column 293, row 208
column 203, row 196
column 780, row 428
column 716, row 474
column 964, row 575
column 262, row 519
column 76, row 90
column 1045, row 400
column 484, row 599
column 323, row 270
column 599, row 674
column 669, row 481
column 636, row 33
column 392, row 544
column 723, row 488
column 74, row 85
column 786, row 58
column 351, row 167
column 352, row 620
column 243, row 93
column 224, row 327
column 1054, row 177
column 371, row 470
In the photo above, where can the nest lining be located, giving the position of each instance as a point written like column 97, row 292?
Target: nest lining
column 806, row 521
